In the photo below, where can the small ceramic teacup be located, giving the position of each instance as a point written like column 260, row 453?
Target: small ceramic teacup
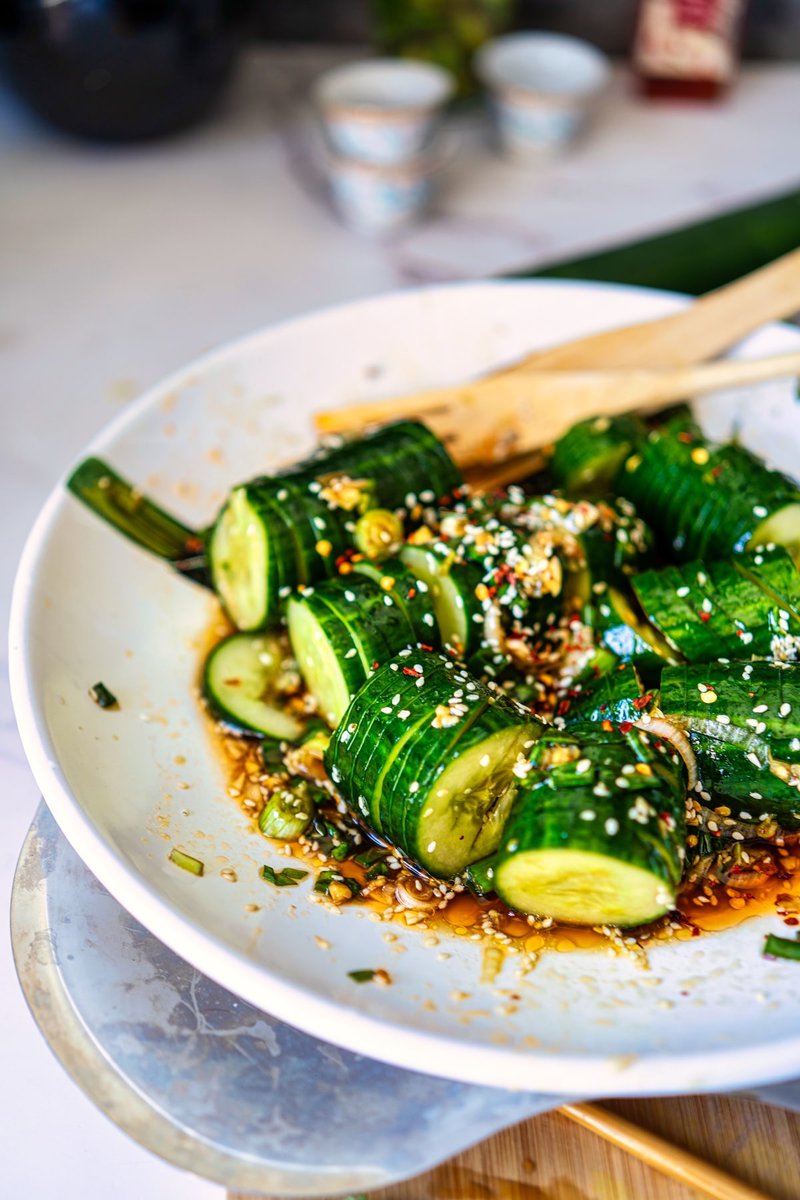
column 382, row 110
column 542, row 86
column 380, row 198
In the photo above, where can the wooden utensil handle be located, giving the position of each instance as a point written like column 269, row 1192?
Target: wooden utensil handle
column 710, row 325
column 660, row 1154
column 487, row 421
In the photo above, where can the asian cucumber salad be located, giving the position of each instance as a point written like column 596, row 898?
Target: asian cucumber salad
column 572, row 701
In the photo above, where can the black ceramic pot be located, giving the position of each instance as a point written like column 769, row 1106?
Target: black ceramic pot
column 121, row 69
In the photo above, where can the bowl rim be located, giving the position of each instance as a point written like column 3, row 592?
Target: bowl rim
column 377, row 1036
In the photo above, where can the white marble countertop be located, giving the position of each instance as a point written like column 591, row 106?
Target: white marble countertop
column 119, row 264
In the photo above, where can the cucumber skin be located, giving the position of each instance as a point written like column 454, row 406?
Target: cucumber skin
column 740, row 618
column 721, row 748
column 616, row 696
column 588, row 457
column 363, row 736
column 700, row 496
column 366, row 752
column 406, row 593
column 547, row 811
column 396, row 460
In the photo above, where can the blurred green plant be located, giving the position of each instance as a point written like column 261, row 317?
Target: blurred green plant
column 445, row 32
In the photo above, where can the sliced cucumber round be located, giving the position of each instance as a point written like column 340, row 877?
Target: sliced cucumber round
column 460, row 817
column 582, row 887
column 589, row 455
column 782, row 527
column 451, row 586
column 596, row 834
column 433, row 768
column 252, row 557
column 239, row 684
column 330, row 660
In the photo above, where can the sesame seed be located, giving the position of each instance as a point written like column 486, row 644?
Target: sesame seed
column 485, row 760
column 404, row 714
column 784, row 710
column 760, row 708
column 582, row 766
column 612, row 826
column 351, row 653
column 588, row 814
column 431, row 847
column 753, row 758
column 682, row 591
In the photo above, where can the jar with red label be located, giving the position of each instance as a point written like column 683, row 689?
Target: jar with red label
column 688, row 48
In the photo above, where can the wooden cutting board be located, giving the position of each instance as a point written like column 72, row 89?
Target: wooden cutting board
column 551, row 1158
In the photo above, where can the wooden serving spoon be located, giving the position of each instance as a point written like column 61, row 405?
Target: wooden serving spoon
column 710, row 325
column 523, row 410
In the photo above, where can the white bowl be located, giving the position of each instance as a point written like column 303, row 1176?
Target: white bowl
column 542, row 87
column 382, row 110
column 126, row 786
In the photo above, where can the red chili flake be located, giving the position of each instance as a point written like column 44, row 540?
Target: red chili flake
column 626, row 726
column 704, row 616
column 685, row 437
column 422, row 646
column 411, row 593
column 375, row 664
column 411, row 671
column 563, row 708
column 641, row 701
column 791, row 921
column 194, row 544
column 784, row 897
column 607, row 726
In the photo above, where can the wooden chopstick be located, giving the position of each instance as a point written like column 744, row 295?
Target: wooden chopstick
column 660, row 1154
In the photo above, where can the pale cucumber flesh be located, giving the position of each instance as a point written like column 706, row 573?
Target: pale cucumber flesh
column 239, row 563
column 581, row 888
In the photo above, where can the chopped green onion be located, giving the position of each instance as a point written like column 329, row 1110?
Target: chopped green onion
column 272, row 755
column 186, row 861
column 288, row 877
column 103, row 697
column 370, row 857
column 341, row 852
column 378, row 533
column 778, row 947
column 361, row 976
column 288, row 812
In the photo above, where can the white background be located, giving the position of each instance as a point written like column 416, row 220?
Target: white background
column 119, row 264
